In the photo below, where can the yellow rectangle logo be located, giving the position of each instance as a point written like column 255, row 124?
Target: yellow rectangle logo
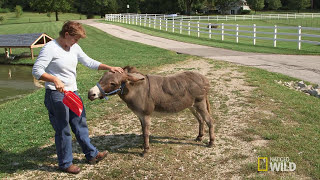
column 262, row 163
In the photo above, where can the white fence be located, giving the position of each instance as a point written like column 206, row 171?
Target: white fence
column 173, row 23
column 225, row 18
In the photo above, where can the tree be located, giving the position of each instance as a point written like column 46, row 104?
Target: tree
column 52, row 6
column 299, row 4
column 225, row 5
column 274, row 4
column 256, row 4
column 18, row 10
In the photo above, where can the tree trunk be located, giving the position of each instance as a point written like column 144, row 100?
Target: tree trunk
column 57, row 18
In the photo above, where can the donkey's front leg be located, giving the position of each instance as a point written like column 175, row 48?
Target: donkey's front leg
column 145, row 124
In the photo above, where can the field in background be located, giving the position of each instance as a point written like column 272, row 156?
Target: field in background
column 30, row 17
column 265, row 28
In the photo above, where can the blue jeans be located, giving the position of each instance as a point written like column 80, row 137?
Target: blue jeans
column 62, row 119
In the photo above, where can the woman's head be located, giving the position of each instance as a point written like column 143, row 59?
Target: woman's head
column 72, row 28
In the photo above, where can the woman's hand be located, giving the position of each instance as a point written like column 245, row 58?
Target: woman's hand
column 59, row 85
column 116, row 69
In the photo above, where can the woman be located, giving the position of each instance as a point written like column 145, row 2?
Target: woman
column 56, row 64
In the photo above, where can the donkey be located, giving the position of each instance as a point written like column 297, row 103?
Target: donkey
column 145, row 94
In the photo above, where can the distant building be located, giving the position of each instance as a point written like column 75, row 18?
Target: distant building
column 236, row 7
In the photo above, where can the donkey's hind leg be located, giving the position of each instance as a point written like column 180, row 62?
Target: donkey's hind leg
column 200, row 120
column 202, row 108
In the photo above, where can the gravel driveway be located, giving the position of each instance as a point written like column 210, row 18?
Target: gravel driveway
column 304, row 67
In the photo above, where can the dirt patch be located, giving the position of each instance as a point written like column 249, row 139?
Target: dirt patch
column 174, row 153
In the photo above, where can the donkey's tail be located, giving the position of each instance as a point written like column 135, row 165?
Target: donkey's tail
column 208, row 104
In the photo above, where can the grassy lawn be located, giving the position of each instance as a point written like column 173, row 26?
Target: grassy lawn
column 30, row 17
column 245, row 44
column 292, row 131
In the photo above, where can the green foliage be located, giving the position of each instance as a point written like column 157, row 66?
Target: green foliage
column 256, row 4
column 225, row 5
column 245, row 11
column 5, row 10
column 18, row 10
column 274, row 4
column 2, row 19
column 299, row 4
column 52, row 6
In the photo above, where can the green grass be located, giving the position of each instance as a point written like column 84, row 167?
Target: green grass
column 245, row 44
column 30, row 17
column 294, row 131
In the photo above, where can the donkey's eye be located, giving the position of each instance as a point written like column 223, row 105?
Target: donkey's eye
column 113, row 84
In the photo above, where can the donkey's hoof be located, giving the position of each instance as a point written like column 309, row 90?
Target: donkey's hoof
column 210, row 145
column 145, row 153
column 199, row 138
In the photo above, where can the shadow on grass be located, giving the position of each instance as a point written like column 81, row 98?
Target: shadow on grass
column 37, row 158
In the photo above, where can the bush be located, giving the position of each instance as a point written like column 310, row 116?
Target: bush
column 18, row 10
column 2, row 19
column 5, row 10
column 245, row 12
column 90, row 16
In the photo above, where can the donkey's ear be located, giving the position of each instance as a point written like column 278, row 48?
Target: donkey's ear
column 135, row 77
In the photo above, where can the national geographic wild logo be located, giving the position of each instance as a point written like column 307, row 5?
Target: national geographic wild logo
column 278, row 164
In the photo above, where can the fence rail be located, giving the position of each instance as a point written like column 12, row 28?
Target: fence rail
column 227, row 17
column 185, row 25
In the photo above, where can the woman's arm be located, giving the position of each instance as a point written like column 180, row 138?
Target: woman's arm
column 110, row 68
column 50, row 78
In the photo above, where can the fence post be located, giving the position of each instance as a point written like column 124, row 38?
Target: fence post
column 295, row 16
column 166, row 24
column 198, row 28
column 222, row 31
column 275, row 36
column 129, row 19
column 154, row 21
column 173, row 25
column 136, row 20
column 160, row 24
column 299, row 37
column 145, row 21
column 149, row 21
column 209, row 30
column 126, row 19
column 180, row 26
column 189, row 28
column 254, row 34
column 237, row 33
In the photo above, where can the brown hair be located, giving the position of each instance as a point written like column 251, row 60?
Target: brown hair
column 73, row 28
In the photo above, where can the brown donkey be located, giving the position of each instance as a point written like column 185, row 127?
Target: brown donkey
column 144, row 94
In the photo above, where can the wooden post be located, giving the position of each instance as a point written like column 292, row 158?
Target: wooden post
column 237, row 33
column 275, row 36
column 222, row 31
column 32, row 53
column 6, row 52
column 198, row 28
column 299, row 37
column 10, row 50
column 209, row 30
column 254, row 34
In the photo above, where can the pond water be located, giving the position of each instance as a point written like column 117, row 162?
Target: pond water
column 16, row 82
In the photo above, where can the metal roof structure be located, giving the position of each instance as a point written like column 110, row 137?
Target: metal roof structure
column 31, row 41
